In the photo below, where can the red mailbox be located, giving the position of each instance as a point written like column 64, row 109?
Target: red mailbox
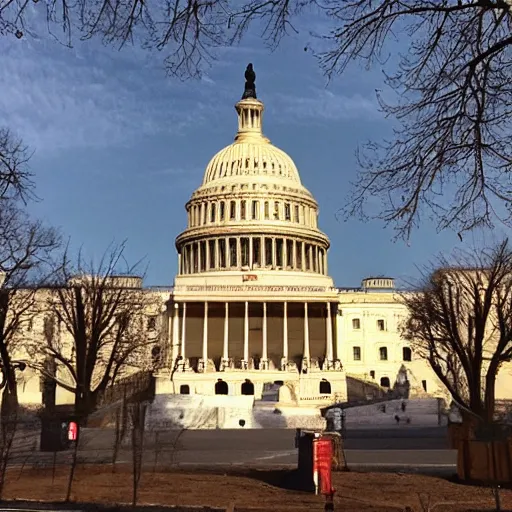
column 72, row 431
column 322, row 462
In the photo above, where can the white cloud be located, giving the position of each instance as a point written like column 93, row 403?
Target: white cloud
column 58, row 98
column 323, row 105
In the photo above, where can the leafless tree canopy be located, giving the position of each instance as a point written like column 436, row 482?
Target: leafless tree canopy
column 15, row 176
column 26, row 247
column 95, row 327
column 461, row 322
column 450, row 156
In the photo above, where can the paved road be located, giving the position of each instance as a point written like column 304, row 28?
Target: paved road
column 414, row 448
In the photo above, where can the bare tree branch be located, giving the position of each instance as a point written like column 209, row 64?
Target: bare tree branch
column 101, row 313
column 460, row 319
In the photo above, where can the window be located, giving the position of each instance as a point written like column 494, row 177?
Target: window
column 156, row 355
column 232, row 252
column 222, row 211
column 406, row 354
column 195, row 248
column 424, row 384
column 256, row 252
column 298, row 249
column 356, row 323
column 289, row 253
column 356, row 351
column 202, row 261
column 308, row 257
column 232, row 210
column 268, row 252
column 244, row 242
column 279, row 252
column 221, row 387
column 384, row 382
column 383, row 353
column 381, row 325
column 213, row 210
column 204, row 208
column 222, row 253
column 372, row 374
column 184, row 389
column 247, row 387
column 325, row 387
column 276, row 210
column 242, row 210
column 267, row 210
column 255, row 210
column 211, row 247
column 151, row 323
column 296, row 212
column 287, row 212
column 315, row 262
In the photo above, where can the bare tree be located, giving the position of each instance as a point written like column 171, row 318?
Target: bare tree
column 15, row 176
column 460, row 320
column 25, row 249
column 450, row 156
column 101, row 327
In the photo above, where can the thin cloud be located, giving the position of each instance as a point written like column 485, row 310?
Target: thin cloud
column 323, row 105
column 57, row 98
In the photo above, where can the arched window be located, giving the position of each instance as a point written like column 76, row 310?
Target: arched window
column 221, row 387
column 247, row 387
column 406, row 354
column 384, row 382
column 222, row 211
column 325, row 387
column 232, row 210
column 184, row 389
column 156, row 355
column 212, row 212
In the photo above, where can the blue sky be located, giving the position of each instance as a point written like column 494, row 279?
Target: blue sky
column 119, row 146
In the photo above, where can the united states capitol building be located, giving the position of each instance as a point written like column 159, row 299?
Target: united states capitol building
column 253, row 313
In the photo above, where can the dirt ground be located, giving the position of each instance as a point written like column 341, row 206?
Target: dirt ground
column 252, row 491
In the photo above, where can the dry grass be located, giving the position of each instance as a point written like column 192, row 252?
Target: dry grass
column 254, row 491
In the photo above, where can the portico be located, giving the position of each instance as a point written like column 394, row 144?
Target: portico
column 234, row 335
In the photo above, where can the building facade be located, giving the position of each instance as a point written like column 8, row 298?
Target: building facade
column 253, row 308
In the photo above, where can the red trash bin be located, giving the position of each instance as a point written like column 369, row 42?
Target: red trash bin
column 322, row 464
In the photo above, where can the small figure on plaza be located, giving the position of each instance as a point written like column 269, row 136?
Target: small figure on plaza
column 250, row 86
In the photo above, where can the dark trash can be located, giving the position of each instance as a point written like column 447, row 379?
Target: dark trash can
column 58, row 434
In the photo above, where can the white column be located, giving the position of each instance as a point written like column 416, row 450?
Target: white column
column 176, row 333
column 306, row 333
column 246, row 333
column 264, row 355
column 225, row 351
column 205, row 336
column 285, row 332
column 183, row 325
column 330, row 352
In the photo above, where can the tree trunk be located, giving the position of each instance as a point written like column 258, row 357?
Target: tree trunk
column 490, row 392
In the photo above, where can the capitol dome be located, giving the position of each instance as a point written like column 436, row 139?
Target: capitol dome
column 251, row 154
column 251, row 213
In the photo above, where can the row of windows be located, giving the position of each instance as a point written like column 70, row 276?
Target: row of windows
column 247, row 388
column 237, row 210
column 251, row 253
column 383, row 353
column 356, row 324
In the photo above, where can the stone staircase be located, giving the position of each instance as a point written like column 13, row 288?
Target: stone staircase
column 420, row 412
